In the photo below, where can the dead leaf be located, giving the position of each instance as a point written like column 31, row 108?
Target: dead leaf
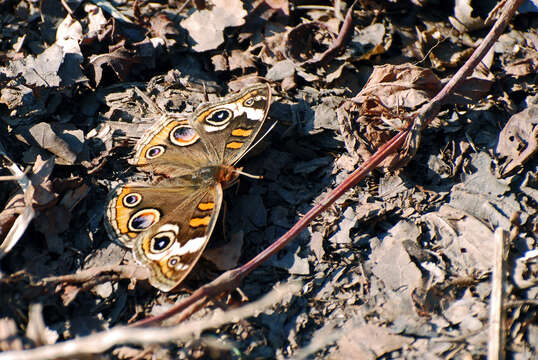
column 466, row 241
column 164, row 28
column 240, row 60
column 372, row 40
column 405, row 85
column 63, row 140
column 369, row 342
column 120, row 61
column 206, row 27
column 50, row 68
column 523, row 67
column 97, row 23
column 307, row 42
column 518, row 140
column 463, row 19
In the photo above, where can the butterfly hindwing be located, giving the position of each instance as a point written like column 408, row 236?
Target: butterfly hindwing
column 166, row 226
column 171, row 248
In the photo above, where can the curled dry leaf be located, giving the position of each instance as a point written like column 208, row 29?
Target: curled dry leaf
column 378, row 108
column 120, row 60
column 518, row 140
column 206, row 27
column 316, row 52
column 307, row 42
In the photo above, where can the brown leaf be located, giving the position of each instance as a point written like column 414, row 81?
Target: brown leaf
column 240, row 60
column 164, row 28
column 463, row 19
column 65, row 141
column 98, row 26
column 369, row 342
column 518, row 140
column 523, row 67
column 40, row 194
column 404, row 85
column 120, row 60
column 206, row 27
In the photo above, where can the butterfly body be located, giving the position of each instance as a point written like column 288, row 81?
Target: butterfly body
column 168, row 224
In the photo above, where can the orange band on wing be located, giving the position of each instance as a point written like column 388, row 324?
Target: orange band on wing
column 206, row 206
column 123, row 214
column 234, row 145
column 241, row 132
column 197, row 222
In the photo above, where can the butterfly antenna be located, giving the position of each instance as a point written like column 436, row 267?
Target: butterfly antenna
column 247, row 174
column 263, row 136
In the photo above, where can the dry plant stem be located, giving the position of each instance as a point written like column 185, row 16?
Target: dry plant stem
column 344, row 35
column 103, row 341
column 230, row 279
column 428, row 112
column 496, row 339
column 391, row 146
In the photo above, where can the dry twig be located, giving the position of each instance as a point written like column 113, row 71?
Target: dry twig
column 103, row 341
column 496, row 306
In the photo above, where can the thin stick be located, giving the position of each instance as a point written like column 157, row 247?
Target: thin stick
column 496, row 338
column 104, row 340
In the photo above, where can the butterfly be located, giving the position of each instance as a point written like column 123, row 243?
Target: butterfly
column 168, row 224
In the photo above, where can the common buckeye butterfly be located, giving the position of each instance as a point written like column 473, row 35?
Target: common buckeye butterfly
column 168, row 224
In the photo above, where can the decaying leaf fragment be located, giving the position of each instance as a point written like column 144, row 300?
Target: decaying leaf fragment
column 518, row 140
column 206, row 27
column 378, row 110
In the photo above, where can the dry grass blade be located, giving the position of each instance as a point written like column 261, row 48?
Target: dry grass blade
column 496, row 307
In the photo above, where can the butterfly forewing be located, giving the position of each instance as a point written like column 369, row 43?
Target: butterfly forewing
column 229, row 127
column 171, row 147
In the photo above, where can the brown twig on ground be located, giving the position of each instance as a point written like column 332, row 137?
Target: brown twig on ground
column 103, row 341
column 344, row 35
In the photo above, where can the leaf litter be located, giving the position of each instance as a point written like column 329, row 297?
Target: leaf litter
column 398, row 267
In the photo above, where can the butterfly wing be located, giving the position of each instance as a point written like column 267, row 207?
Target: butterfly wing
column 228, row 127
column 171, row 147
column 168, row 242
